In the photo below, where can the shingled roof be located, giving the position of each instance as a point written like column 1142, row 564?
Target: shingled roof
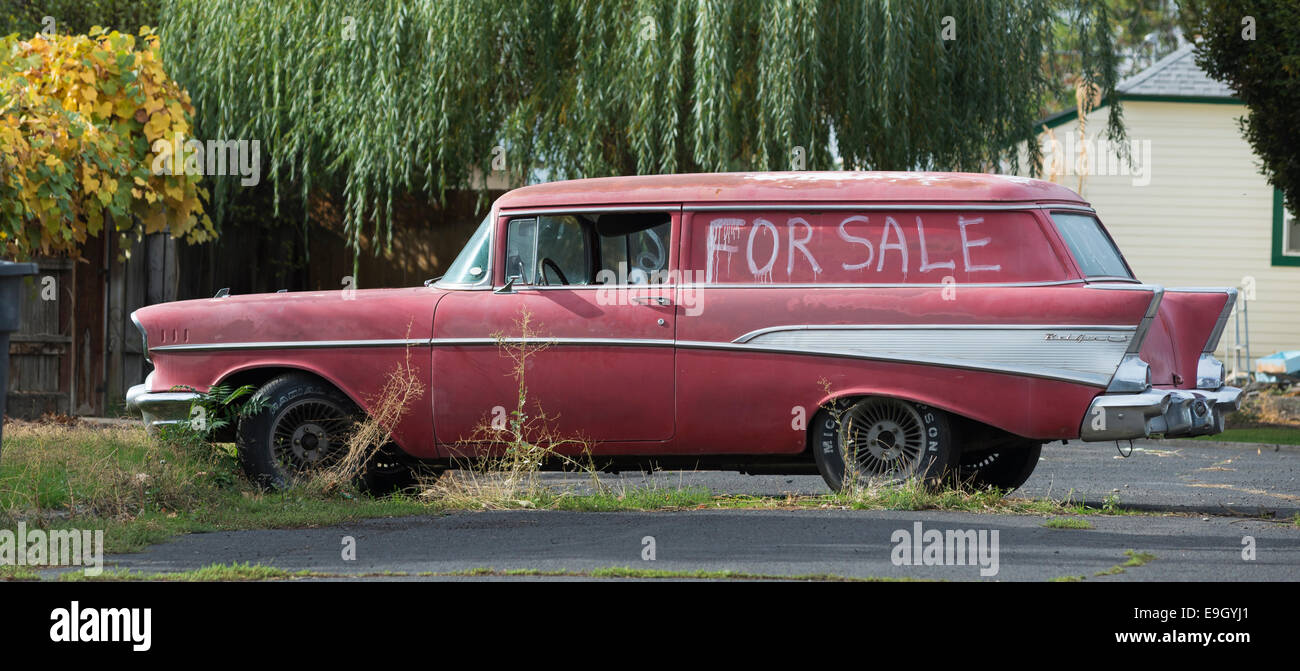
column 1175, row 75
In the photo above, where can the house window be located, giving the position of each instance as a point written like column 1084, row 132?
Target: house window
column 1286, row 234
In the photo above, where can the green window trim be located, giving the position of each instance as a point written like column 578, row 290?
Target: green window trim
column 1279, row 235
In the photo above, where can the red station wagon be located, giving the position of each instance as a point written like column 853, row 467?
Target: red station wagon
column 925, row 324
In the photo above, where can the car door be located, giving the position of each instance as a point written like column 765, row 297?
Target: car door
column 589, row 295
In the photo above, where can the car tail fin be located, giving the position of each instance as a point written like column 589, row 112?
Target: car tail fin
column 1180, row 344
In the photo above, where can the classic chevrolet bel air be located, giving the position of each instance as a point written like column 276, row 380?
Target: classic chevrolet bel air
column 859, row 324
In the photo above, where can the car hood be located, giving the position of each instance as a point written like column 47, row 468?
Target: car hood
column 368, row 314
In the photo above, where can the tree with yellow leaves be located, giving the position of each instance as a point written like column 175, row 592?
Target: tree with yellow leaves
column 79, row 115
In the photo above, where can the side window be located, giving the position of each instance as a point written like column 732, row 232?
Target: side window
column 634, row 248
column 548, row 251
column 1093, row 250
column 561, row 251
column 521, row 250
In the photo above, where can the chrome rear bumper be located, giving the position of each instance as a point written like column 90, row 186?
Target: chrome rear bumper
column 159, row 408
column 1169, row 412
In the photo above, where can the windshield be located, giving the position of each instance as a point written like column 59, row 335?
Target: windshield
column 471, row 265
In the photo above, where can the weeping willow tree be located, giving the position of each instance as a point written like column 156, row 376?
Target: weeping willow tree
column 388, row 97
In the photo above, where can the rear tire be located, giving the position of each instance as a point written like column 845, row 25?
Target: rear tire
column 892, row 440
column 387, row 474
column 1006, row 466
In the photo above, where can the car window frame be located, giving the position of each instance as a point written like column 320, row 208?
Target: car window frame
column 675, row 235
column 487, row 280
column 1074, row 257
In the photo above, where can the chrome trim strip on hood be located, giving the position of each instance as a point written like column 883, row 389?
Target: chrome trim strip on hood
column 291, row 344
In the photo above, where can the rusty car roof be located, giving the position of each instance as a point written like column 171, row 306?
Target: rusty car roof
column 778, row 187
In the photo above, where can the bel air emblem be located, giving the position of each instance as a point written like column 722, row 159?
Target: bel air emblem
column 1084, row 337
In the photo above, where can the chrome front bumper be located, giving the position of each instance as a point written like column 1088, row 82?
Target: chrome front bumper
column 159, row 408
column 1170, row 412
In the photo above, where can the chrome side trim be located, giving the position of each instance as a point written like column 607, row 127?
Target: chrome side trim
column 1111, row 278
column 1077, row 353
column 1212, row 343
column 1129, row 286
column 1153, row 308
column 877, row 207
column 1097, row 378
column 1047, row 373
column 932, row 327
column 611, row 342
column 290, row 344
column 1016, row 350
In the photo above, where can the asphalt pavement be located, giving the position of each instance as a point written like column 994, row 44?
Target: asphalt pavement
column 1210, row 513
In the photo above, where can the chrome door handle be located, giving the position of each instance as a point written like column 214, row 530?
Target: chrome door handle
column 652, row 300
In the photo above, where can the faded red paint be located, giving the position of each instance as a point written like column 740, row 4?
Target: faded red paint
column 645, row 397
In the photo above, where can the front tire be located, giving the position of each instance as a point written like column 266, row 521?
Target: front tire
column 889, row 440
column 303, row 427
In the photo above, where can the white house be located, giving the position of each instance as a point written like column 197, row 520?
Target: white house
column 1193, row 210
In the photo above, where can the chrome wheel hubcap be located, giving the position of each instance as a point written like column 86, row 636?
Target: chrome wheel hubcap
column 309, row 433
column 884, row 436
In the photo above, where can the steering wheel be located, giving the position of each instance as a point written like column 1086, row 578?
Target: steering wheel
column 548, row 263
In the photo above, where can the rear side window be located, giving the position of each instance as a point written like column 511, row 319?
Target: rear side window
column 1093, row 249
column 633, row 247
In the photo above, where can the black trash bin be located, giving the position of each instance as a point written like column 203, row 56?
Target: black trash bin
column 11, row 278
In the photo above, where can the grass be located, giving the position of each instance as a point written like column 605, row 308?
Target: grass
column 1274, row 435
column 1135, row 559
column 1138, row 558
column 142, row 491
column 1067, row 523
column 211, row 573
column 641, row 498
